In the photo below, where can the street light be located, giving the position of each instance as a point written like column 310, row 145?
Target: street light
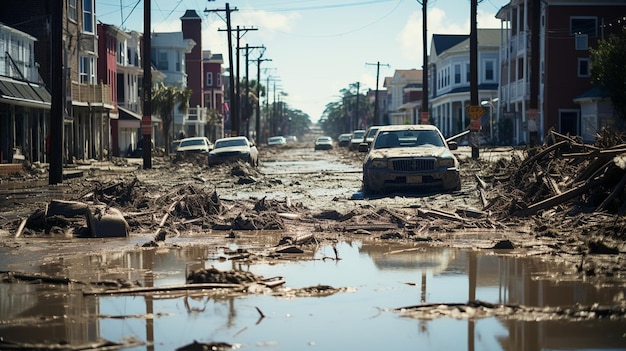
column 490, row 103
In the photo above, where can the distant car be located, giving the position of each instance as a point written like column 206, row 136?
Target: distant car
column 292, row 138
column 194, row 145
column 277, row 141
column 356, row 139
column 344, row 139
column 323, row 143
column 410, row 157
column 370, row 133
column 233, row 149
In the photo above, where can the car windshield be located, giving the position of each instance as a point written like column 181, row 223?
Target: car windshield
column 275, row 139
column 407, row 138
column 371, row 133
column 358, row 135
column 230, row 142
column 192, row 142
column 323, row 139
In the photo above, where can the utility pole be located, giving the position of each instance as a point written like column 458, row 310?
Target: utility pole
column 55, row 174
column 474, row 109
column 258, row 95
column 377, row 119
column 233, row 100
column 356, row 116
column 246, row 98
column 424, row 114
column 146, row 119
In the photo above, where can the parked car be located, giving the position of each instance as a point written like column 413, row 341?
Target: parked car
column 344, row 139
column 277, row 141
column 355, row 139
column 194, row 145
column 370, row 133
column 292, row 138
column 232, row 149
column 410, row 157
column 323, row 143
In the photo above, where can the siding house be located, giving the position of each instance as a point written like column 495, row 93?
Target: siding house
column 401, row 104
column 168, row 56
column 88, row 102
column 24, row 101
column 545, row 63
column 449, row 80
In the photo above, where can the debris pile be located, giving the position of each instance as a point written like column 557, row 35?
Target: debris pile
column 213, row 275
column 565, row 177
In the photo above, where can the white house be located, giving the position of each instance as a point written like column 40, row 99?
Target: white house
column 168, row 56
column 449, row 83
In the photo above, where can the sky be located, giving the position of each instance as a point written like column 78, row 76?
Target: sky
column 316, row 47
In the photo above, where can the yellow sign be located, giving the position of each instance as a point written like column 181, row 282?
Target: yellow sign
column 474, row 111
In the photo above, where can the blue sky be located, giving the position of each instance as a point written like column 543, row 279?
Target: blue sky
column 317, row 47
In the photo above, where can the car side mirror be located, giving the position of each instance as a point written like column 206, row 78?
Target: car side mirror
column 452, row 145
column 363, row 147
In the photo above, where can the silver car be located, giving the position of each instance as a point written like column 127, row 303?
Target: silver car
column 233, row 149
column 409, row 157
column 194, row 145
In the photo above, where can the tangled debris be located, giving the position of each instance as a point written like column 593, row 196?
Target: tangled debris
column 480, row 309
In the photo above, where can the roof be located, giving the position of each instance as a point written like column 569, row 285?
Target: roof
column 128, row 115
column 595, row 93
column 22, row 93
column 443, row 42
column 487, row 37
column 408, row 127
column 190, row 15
column 410, row 74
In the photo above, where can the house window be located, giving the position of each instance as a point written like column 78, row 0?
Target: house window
column 72, row 12
column 583, row 68
column 209, row 79
column 121, row 59
column 178, row 62
column 457, row 74
column 87, row 70
column 583, row 25
column 219, row 80
column 162, row 63
column 88, row 16
column 582, row 42
column 467, row 72
column 490, row 72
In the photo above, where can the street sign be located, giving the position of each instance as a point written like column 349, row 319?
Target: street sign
column 474, row 111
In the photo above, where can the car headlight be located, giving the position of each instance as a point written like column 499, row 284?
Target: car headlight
column 446, row 162
column 379, row 163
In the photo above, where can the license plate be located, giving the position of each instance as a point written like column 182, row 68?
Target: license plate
column 413, row 179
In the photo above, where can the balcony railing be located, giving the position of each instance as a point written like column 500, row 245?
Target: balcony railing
column 91, row 93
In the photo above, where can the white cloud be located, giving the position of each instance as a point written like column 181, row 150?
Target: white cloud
column 438, row 22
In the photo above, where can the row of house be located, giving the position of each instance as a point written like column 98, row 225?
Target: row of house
column 102, row 82
column 536, row 68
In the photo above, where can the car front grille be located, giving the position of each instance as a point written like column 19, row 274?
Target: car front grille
column 228, row 154
column 414, row 164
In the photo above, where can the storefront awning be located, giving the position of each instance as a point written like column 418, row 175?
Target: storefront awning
column 15, row 92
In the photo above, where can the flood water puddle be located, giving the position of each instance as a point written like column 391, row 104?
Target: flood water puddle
column 379, row 278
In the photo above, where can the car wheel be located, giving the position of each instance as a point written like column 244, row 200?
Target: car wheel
column 367, row 188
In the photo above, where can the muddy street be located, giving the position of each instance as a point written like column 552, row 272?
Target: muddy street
column 291, row 255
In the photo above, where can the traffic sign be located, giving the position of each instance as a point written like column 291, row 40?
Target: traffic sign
column 474, row 111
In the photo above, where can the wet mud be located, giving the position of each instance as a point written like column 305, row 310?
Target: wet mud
column 227, row 232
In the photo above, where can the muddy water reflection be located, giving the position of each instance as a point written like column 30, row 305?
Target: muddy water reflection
column 383, row 277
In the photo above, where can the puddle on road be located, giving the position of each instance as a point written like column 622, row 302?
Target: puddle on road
column 383, row 276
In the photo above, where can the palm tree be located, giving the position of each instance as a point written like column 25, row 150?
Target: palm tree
column 164, row 99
